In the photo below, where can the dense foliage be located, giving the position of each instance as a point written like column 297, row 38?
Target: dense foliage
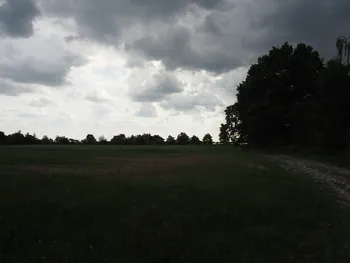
column 18, row 138
column 291, row 97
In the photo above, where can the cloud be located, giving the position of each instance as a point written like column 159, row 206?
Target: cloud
column 225, row 86
column 10, row 88
column 169, row 31
column 41, row 102
column 181, row 47
column 317, row 23
column 17, row 16
column 72, row 38
column 216, row 36
column 31, row 70
column 102, row 112
column 41, row 59
column 189, row 102
column 103, row 20
column 155, row 88
column 99, row 95
column 147, row 110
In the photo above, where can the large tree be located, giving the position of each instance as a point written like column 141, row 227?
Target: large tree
column 90, row 139
column 119, row 139
column 156, row 139
column 170, row 140
column 343, row 48
column 182, row 139
column 333, row 108
column 2, row 137
column 269, row 100
column 208, row 139
column 195, row 140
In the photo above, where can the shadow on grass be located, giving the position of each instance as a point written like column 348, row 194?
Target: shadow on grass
column 235, row 208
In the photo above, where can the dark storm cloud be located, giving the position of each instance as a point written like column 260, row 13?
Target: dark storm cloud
column 166, row 8
column 17, row 16
column 314, row 22
column 31, row 71
column 174, row 48
column 159, row 35
column 235, row 37
column 104, row 20
column 217, row 36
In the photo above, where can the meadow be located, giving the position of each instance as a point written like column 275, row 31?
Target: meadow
column 163, row 204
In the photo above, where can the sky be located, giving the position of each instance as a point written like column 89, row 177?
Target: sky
column 73, row 67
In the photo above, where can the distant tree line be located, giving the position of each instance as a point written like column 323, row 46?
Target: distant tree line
column 18, row 138
column 291, row 97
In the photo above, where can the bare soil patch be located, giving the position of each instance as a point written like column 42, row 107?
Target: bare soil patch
column 110, row 166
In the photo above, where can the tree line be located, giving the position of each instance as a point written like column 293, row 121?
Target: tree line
column 292, row 97
column 18, row 138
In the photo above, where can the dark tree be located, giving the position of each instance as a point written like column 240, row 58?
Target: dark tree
column 140, row 140
column 343, row 48
column 73, row 141
column 130, row 140
column 147, row 138
column 157, row 140
column 170, row 140
column 16, row 138
column 46, row 140
column 61, row 140
column 195, row 140
column 332, row 107
column 224, row 134
column 30, row 139
column 277, row 89
column 208, row 139
column 102, row 140
column 2, row 138
column 90, row 139
column 182, row 139
column 119, row 139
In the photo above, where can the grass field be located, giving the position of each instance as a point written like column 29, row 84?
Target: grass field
column 162, row 204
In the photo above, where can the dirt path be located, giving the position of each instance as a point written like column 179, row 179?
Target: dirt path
column 336, row 178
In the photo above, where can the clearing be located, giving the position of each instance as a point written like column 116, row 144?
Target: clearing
column 169, row 204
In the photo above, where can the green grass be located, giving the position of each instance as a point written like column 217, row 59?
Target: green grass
column 233, row 207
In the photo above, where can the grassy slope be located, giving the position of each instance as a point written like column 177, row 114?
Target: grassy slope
column 238, row 208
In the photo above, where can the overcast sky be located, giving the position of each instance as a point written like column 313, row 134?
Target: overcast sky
column 72, row 67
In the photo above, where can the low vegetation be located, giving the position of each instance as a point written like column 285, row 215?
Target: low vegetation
column 18, row 138
column 162, row 204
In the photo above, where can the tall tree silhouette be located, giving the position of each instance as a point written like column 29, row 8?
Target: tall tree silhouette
column 208, row 139
column 195, row 140
column 170, row 140
column 2, row 138
column 343, row 48
column 276, row 90
column 182, row 139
